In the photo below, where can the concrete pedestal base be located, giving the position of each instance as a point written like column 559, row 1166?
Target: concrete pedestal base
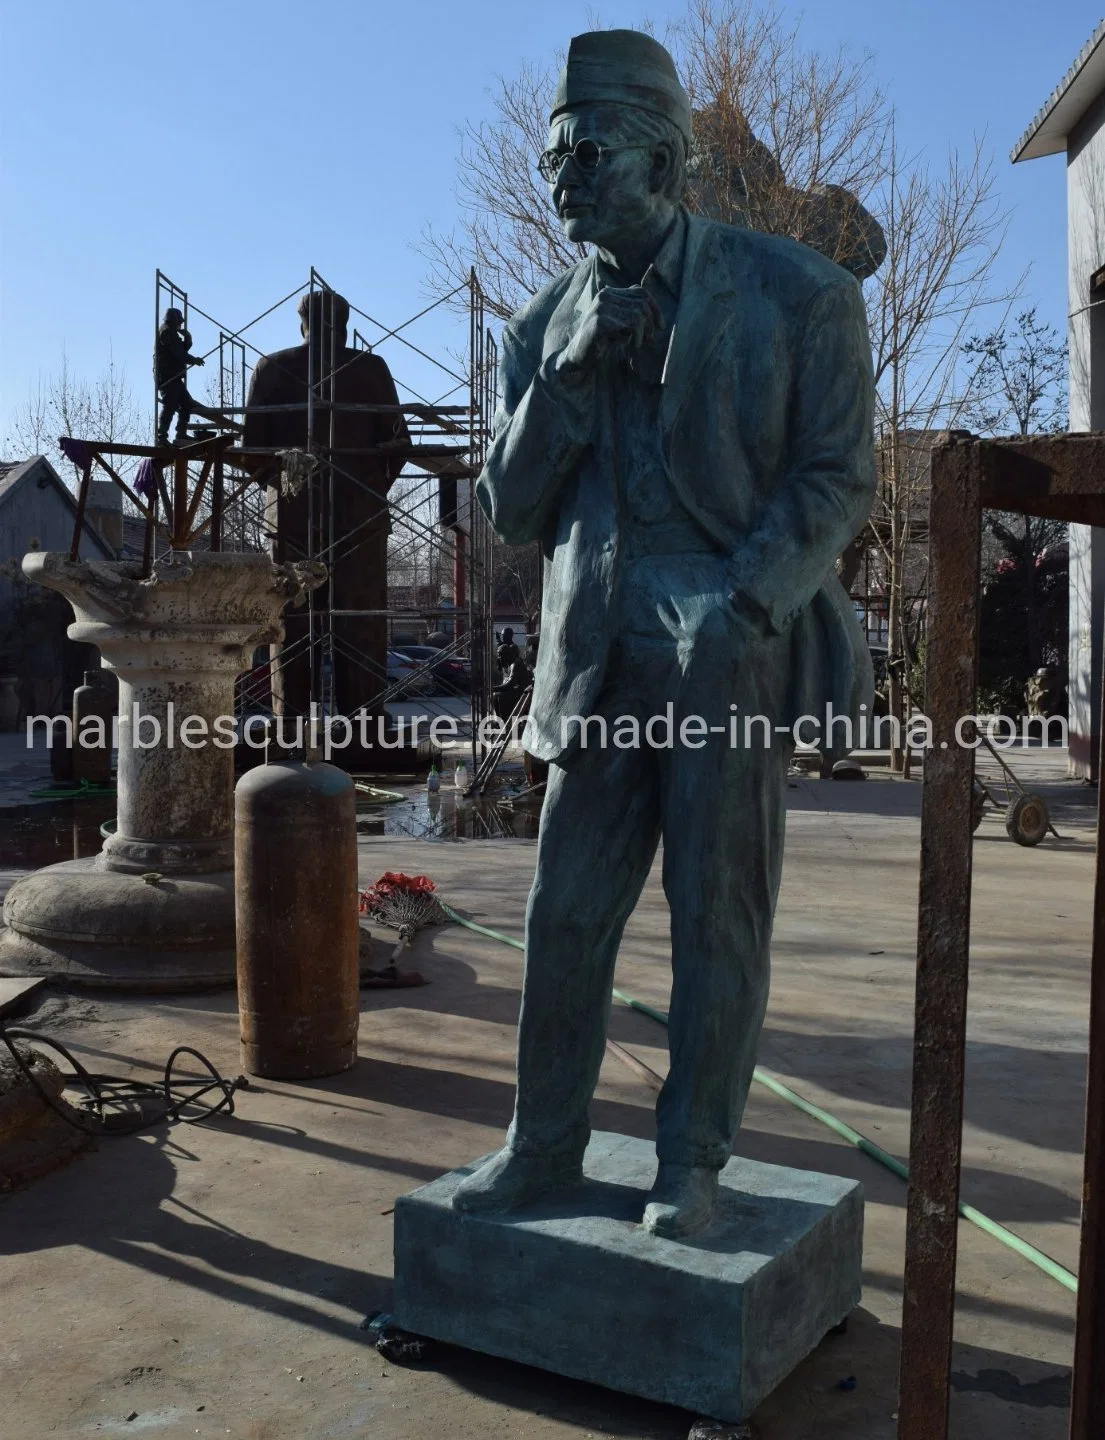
column 84, row 925
column 579, row 1288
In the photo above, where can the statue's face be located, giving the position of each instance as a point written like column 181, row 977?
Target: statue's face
column 603, row 205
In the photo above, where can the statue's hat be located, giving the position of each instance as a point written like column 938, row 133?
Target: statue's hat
column 623, row 67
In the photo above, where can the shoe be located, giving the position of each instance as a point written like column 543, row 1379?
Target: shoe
column 509, row 1181
column 682, row 1202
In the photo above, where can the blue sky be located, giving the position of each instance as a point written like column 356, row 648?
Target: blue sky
column 235, row 144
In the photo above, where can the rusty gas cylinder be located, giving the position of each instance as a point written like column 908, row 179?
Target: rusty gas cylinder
column 295, row 856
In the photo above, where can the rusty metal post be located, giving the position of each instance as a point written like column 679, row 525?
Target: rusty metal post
column 1087, row 1410
column 180, row 502
column 942, row 946
column 217, row 505
column 82, row 501
column 148, row 540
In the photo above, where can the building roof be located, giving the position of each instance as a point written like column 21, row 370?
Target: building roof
column 15, row 473
column 1068, row 102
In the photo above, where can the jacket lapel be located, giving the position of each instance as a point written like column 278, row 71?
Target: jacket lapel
column 705, row 308
column 565, row 319
column 703, row 312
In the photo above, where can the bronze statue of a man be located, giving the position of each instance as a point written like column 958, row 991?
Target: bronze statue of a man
column 686, row 428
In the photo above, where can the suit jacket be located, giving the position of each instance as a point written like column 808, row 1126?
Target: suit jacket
column 767, row 422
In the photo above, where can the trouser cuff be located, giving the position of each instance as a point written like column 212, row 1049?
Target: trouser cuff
column 707, row 1157
column 542, row 1141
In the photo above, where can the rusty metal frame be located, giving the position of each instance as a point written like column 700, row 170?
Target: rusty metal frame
column 1058, row 477
column 181, row 503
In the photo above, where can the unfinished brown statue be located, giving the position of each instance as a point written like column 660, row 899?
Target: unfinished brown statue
column 367, row 448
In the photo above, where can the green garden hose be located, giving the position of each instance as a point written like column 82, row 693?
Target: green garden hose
column 378, row 796
column 84, row 791
column 839, row 1127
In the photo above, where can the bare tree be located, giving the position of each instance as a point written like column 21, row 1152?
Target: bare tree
column 822, row 120
column 943, row 231
column 516, row 578
column 786, row 140
column 64, row 404
column 1018, row 379
column 1017, row 384
column 420, row 557
column 508, row 228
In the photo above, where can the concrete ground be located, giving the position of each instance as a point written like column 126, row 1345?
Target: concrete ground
column 211, row 1280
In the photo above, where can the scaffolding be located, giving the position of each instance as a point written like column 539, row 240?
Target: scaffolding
column 448, row 440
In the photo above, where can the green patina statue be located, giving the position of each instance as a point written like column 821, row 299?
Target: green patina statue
column 686, row 428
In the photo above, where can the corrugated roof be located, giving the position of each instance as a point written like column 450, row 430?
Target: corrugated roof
column 1067, row 103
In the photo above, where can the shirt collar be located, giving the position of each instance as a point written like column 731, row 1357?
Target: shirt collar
column 667, row 266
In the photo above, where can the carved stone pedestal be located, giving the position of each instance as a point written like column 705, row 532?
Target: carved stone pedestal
column 155, row 909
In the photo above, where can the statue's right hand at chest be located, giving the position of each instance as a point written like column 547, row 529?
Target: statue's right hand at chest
column 615, row 320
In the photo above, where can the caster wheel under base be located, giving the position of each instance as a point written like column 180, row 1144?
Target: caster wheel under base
column 720, row 1430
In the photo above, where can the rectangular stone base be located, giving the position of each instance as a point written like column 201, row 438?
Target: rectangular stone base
column 713, row 1323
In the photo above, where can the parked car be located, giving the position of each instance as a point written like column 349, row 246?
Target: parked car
column 403, row 669
column 451, row 674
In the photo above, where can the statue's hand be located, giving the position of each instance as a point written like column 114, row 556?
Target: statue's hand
column 615, row 319
column 748, row 616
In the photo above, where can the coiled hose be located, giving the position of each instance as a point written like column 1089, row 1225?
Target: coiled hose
column 116, row 1106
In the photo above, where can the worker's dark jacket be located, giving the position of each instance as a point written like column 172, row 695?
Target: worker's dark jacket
column 170, row 359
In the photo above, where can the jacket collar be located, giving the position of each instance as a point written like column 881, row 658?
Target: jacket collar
column 667, row 267
column 705, row 307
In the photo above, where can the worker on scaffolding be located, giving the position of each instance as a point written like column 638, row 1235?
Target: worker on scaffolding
column 170, row 362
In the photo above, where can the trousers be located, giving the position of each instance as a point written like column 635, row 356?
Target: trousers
column 175, row 400
column 681, row 653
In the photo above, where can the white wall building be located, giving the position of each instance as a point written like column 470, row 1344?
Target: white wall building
column 1073, row 122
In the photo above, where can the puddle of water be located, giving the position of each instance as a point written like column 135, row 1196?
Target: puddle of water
column 35, row 835
column 448, row 816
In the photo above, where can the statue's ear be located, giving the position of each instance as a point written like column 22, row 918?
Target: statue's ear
column 662, row 164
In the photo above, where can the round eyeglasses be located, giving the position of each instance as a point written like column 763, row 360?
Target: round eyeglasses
column 586, row 153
